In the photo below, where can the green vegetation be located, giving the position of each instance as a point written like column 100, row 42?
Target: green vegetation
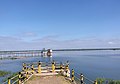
column 4, row 73
column 12, row 58
column 11, row 75
column 107, row 81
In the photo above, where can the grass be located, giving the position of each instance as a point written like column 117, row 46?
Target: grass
column 10, row 76
column 4, row 73
column 107, row 81
column 12, row 58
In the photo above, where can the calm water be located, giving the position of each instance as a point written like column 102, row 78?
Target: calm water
column 92, row 64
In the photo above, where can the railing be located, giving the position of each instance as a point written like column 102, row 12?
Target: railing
column 29, row 69
column 13, row 80
column 81, row 79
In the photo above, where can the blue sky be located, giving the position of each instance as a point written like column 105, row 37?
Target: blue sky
column 33, row 24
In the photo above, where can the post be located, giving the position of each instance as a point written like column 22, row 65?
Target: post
column 32, row 68
column 27, row 69
column 9, row 81
column 53, row 66
column 19, row 77
column 23, row 66
column 39, row 67
column 95, row 82
column 27, row 75
column 61, row 67
column 67, row 65
column 72, row 75
column 25, row 72
column 81, row 78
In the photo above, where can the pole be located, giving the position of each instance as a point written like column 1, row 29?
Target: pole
column 61, row 67
column 39, row 67
column 32, row 68
column 19, row 77
column 81, row 78
column 95, row 82
column 53, row 66
column 72, row 75
column 9, row 81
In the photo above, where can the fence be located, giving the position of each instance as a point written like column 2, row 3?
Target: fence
column 29, row 69
column 81, row 79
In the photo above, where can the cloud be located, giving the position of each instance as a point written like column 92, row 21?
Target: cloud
column 54, row 42
column 110, row 42
column 11, row 43
column 26, row 35
column 77, row 43
column 29, row 34
column 49, row 38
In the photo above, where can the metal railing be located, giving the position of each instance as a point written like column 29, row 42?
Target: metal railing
column 36, row 67
column 29, row 69
column 12, row 80
column 80, row 78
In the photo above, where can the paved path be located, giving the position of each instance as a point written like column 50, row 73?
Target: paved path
column 48, row 80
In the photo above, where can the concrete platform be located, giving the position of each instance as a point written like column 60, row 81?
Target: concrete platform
column 46, row 74
column 48, row 80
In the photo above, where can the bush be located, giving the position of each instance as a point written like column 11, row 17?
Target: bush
column 4, row 73
column 107, row 81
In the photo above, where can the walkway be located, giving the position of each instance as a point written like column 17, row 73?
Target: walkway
column 48, row 80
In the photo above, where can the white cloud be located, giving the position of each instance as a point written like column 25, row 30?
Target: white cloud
column 12, row 43
column 29, row 34
column 26, row 35
column 110, row 42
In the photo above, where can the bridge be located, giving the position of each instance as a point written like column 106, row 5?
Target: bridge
column 32, row 53
column 87, row 49
column 80, row 49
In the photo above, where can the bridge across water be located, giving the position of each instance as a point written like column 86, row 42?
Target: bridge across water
column 32, row 53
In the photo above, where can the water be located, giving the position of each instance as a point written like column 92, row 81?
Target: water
column 92, row 64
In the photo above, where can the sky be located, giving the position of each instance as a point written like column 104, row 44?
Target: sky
column 35, row 24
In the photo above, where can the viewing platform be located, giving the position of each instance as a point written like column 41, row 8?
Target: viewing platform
column 48, row 80
column 48, row 73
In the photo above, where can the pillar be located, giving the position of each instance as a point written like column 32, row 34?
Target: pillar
column 39, row 67
column 95, row 82
column 53, row 66
column 27, row 75
column 32, row 68
column 23, row 66
column 19, row 77
column 72, row 75
column 81, row 78
column 9, row 81
column 61, row 67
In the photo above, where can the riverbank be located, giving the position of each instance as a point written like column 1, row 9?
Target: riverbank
column 16, row 57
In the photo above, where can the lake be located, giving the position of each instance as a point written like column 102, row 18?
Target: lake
column 92, row 64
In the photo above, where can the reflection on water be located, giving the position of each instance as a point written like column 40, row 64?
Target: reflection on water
column 91, row 63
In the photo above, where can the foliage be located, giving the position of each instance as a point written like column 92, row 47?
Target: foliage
column 4, row 73
column 107, row 81
column 11, row 75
